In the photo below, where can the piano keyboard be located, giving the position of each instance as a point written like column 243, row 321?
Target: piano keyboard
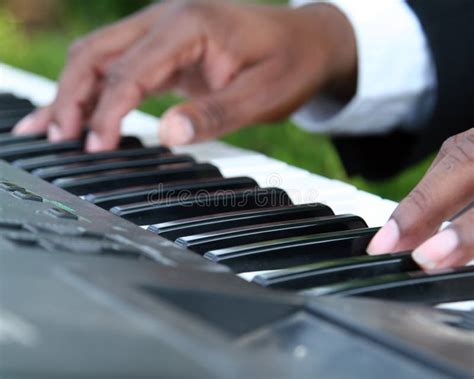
column 302, row 186
column 278, row 227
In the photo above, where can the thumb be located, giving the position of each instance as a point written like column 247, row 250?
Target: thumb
column 245, row 100
column 194, row 121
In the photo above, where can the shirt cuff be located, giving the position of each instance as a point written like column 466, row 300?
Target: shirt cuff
column 396, row 85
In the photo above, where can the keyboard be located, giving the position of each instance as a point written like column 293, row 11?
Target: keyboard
column 204, row 261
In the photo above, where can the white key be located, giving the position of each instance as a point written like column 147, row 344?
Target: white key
column 209, row 151
column 459, row 306
column 248, row 276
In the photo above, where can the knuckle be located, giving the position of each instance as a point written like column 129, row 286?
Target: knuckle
column 281, row 64
column 470, row 135
column 213, row 113
column 462, row 152
column 466, row 145
column 116, row 74
column 119, row 81
column 447, row 145
column 419, row 198
column 410, row 215
column 193, row 8
column 77, row 49
column 465, row 152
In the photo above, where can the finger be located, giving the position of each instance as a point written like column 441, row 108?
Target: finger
column 443, row 191
column 88, row 58
column 247, row 99
column 453, row 247
column 131, row 78
column 190, row 82
column 446, row 147
column 36, row 122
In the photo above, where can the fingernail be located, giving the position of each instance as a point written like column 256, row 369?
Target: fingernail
column 93, row 142
column 24, row 125
column 54, row 133
column 433, row 251
column 386, row 239
column 176, row 129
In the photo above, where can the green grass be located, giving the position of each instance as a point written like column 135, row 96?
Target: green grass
column 43, row 53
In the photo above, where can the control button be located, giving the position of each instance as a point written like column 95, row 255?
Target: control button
column 118, row 238
column 26, row 195
column 22, row 238
column 10, row 224
column 7, row 186
column 78, row 245
column 119, row 249
column 58, row 229
column 61, row 213
column 85, row 245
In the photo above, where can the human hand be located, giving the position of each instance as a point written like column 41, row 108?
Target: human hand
column 446, row 189
column 240, row 64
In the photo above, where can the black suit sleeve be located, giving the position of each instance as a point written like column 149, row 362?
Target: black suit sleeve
column 449, row 28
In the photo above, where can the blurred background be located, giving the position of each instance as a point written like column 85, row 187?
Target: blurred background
column 35, row 34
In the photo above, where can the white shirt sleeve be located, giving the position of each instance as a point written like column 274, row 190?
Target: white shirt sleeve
column 396, row 76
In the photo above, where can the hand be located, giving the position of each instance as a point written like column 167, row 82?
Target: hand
column 446, row 189
column 240, row 64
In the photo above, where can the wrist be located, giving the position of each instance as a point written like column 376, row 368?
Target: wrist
column 334, row 32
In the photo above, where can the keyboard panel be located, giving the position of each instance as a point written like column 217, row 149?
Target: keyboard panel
column 216, row 238
column 259, row 245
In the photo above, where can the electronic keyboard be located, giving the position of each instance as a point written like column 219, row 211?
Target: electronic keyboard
column 204, row 261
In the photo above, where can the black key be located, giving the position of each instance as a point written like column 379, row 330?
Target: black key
column 198, row 225
column 440, row 286
column 41, row 148
column 125, row 152
column 10, row 224
column 60, row 229
column 21, row 238
column 26, row 195
column 55, row 172
column 290, row 252
column 12, row 110
column 7, row 123
column 246, row 235
column 85, row 184
column 8, row 186
column 60, row 213
column 86, row 245
column 151, row 213
column 10, row 139
column 35, row 148
column 335, row 271
column 109, row 199
column 462, row 319
column 6, row 97
column 8, row 102
column 15, row 112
